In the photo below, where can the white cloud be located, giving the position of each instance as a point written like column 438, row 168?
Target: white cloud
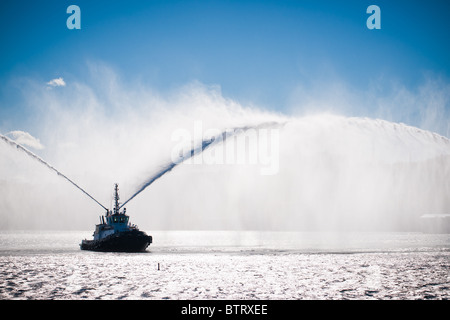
column 58, row 82
column 25, row 139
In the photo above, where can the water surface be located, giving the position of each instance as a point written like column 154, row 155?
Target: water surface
column 228, row 265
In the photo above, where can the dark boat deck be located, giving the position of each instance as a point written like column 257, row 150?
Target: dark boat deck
column 127, row 241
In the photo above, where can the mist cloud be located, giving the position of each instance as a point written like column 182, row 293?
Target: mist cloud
column 425, row 105
column 336, row 171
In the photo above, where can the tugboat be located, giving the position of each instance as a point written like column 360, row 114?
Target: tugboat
column 115, row 234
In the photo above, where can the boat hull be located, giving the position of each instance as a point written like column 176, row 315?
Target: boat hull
column 127, row 241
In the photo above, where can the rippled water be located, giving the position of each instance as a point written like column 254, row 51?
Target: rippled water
column 228, row 265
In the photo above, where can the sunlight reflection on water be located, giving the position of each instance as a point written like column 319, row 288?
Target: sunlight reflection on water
column 228, row 265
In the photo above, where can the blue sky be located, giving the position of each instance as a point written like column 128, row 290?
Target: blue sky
column 257, row 51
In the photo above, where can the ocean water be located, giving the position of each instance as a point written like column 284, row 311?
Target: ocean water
column 228, row 265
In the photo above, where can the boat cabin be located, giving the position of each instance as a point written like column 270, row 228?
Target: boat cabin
column 118, row 221
column 111, row 223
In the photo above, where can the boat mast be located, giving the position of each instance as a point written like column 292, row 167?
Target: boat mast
column 116, row 198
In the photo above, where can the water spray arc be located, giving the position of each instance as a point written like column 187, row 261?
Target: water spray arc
column 167, row 168
column 199, row 148
column 34, row 156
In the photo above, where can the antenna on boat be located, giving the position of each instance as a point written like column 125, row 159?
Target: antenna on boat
column 116, row 199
